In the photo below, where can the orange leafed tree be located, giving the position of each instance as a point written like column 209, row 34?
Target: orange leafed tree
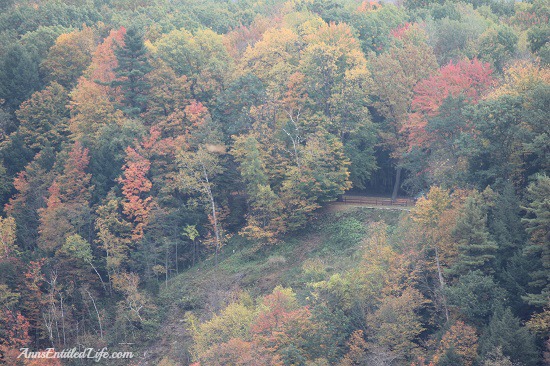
column 135, row 185
column 32, row 297
column 239, row 39
column 357, row 352
column 93, row 100
column 74, row 182
column 14, row 334
column 104, row 60
column 282, row 323
column 67, row 208
column 462, row 339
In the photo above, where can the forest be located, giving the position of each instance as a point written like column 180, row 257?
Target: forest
column 169, row 171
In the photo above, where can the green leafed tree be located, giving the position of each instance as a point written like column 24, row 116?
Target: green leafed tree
column 197, row 171
column 7, row 237
column 44, row 118
column 264, row 217
column 497, row 45
column 31, row 187
column 475, row 296
column 113, row 233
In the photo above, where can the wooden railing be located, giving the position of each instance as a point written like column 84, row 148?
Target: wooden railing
column 376, row 201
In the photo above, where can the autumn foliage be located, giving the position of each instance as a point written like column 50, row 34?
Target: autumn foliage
column 470, row 79
column 170, row 169
column 135, row 186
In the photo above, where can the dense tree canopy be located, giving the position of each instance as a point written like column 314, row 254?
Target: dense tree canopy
column 143, row 142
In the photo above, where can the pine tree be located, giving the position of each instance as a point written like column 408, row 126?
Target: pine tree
column 476, row 247
column 505, row 331
column 131, row 72
column 538, row 226
column 31, row 186
column 505, row 225
column 511, row 266
column 18, row 76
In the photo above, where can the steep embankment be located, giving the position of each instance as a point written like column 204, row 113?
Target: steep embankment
column 331, row 243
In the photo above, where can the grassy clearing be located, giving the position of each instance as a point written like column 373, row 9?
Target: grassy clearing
column 330, row 241
column 330, row 244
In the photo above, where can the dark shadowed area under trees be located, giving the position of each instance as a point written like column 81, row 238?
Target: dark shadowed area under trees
column 171, row 171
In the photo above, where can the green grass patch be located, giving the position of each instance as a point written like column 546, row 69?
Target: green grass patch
column 328, row 245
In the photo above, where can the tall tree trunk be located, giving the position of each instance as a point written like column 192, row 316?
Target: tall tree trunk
column 167, row 255
column 97, row 312
column 397, row 183
column 194, row 252
column 177, row 268
column 214, row 218
column 441, row 283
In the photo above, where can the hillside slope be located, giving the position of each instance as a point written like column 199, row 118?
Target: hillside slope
column 332, row 244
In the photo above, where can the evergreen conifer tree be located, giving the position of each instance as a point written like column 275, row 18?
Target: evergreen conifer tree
column 512, row 267
column 505, row 225
column 538, row 227
column 18, row 76
column 131, row 72
column 476, row 247
column 505, row 331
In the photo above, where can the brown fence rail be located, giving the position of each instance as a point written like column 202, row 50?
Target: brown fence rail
column 404, row 202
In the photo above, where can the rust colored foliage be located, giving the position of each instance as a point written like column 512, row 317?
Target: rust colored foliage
column 282, row 323
column 74, row 183
column 368, row 6
column 401, row 31
column 104, row 60
column 32, row 297
column 67, row 207
column 462, row 339
column 93, row 100
column 357, row 349
column 135, row 185
column 14, row 334
column 44, row 362
column 239, row 39
column 470, row 79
